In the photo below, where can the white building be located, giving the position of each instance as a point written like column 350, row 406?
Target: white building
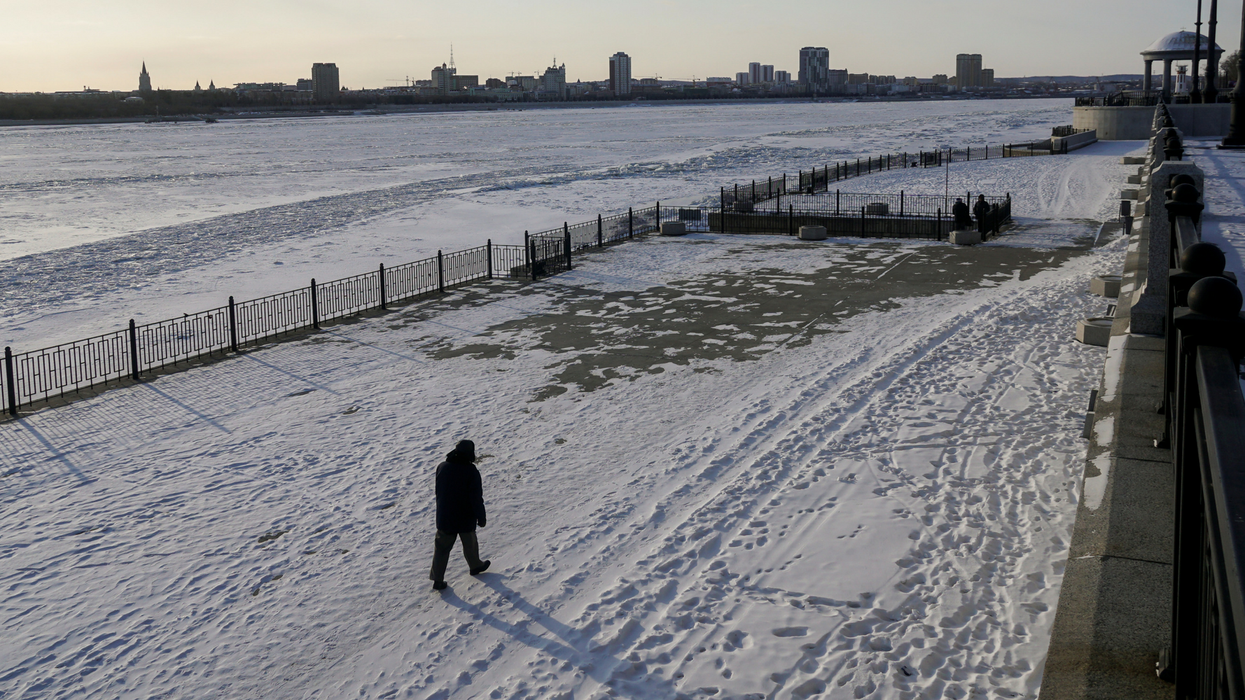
column 742, row 79
column 767, row 74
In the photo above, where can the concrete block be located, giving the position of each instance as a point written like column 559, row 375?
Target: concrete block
column 966, row 237
column 1106, row 286
column 812, row 233
column 1133, row 160
column 673, row 228
column 1132, row 193
column 1134, row 179
column 1094, row 331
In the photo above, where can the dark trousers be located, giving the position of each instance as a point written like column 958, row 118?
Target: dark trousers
column 445, row 544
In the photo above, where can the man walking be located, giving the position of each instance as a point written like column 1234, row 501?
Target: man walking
column 460, row 508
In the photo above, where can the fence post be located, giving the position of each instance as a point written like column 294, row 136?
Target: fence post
column 901, row 202
column 754, row 187
column 566, row 243
column 790, row 220
column 441, row 271
column 233, row 326
column 315, row 306
column 9, row 378
column 531, row 257
column 754, row 194
column 938, row 223
column 862, row 222
column 381, row 275
column 837, row 195
column 489, row 245
column 631, row 218
column 527, row 255
column 133, row 351
column 600, row 238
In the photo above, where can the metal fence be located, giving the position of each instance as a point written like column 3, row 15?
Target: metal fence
column 81, row 365
column 739, row 197
column 1205, row 412
column 78, row 366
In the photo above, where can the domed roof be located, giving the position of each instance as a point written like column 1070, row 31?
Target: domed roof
column 1178, row 42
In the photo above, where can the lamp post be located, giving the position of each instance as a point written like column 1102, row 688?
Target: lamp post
column 1211, row 94
column 1236, row 129
column 1195, row 95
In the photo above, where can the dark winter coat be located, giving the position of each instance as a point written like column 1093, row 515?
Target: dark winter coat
column 460, row 495
column 959, row 211
column 980, row 209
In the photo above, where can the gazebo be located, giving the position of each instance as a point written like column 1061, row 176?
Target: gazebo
column 1178, row 47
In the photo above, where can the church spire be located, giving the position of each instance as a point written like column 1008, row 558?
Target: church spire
column 144, row 80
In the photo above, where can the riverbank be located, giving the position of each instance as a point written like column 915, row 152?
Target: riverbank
column 386, row 110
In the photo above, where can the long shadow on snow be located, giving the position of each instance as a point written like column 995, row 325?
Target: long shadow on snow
column 576, row 646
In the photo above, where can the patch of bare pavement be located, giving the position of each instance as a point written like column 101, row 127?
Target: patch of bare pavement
column 598, row 334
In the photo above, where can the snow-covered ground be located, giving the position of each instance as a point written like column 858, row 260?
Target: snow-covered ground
column 715, row 467
column 101, row 224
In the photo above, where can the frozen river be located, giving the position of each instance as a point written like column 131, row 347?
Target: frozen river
column 99, row 224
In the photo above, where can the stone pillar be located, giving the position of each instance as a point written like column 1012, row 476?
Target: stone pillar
column 1148, row 80
column 1149, row 301
column 1167, row 80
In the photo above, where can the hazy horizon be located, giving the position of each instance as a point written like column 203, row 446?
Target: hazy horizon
column 71, row 44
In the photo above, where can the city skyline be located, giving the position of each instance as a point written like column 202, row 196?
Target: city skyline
column 100, row 47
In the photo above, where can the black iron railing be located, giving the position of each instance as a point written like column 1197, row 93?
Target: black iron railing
column 1121, row 100
column 74, row 367
column 1205, row 412
column 1069, row 130
column 739, row 196
column 41, row 375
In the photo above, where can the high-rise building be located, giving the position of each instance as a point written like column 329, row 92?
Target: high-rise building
column 754, row 73
column 743, row 79
column 767, row 73
column 987, row 77
column 782, row 77
column 443, row 78
column 620, row 74
column 553, row 83
column 325, row 82
column 968, row 70
column 144, row 80
column 815, row 67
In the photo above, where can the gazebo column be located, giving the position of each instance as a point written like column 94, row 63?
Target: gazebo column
column 1167, row 80
column 1147, row 80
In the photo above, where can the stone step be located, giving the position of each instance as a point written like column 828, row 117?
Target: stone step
column 1133, row 160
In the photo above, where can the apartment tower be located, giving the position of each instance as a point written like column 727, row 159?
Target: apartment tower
column 620, row 74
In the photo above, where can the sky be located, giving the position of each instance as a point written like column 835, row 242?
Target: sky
column 70, row 44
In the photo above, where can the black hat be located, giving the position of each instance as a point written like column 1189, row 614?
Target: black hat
column 466, row 449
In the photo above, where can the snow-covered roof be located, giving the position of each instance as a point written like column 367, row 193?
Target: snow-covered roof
column 1178, row 42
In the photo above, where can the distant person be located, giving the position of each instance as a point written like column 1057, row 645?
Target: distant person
column 980, row 210
column 460, row 509
column 959, row 211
